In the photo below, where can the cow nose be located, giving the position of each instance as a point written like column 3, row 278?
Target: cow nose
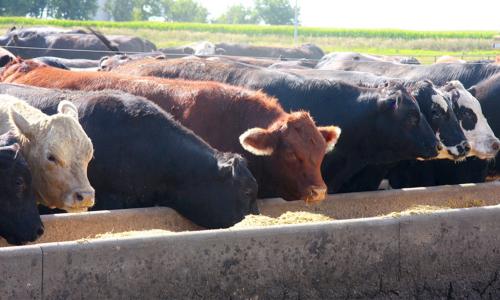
column 466, row 146
column 495, row 145
column 463, row 148
column 85, row 198
column 317, row 194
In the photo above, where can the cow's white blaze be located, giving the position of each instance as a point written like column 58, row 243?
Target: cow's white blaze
column 439, row 100
column 446, row 152
column 481, row 137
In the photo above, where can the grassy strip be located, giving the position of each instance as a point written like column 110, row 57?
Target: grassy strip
column 259, row 29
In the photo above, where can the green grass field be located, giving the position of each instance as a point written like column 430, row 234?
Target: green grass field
column 426, row 45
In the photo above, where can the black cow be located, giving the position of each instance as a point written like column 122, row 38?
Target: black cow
column 145, row 158
column 435, row 105
column 468, row 74
column 107, row 63
column 71, row 45
column 65, row 63
column 44, row 30
column 437, row 109
column 123, row 42
column 481, row 138
column 84, row 46
column 379, row 125
column 19, row 219
column 295, row 64
column 309, row 51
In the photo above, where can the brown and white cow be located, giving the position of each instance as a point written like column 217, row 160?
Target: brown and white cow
column 57, row 151
column 284, row 150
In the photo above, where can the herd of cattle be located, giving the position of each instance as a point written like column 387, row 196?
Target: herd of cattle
column 207, row 134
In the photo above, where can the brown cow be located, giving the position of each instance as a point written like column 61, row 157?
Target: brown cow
column 284, row 150
column 57, row 151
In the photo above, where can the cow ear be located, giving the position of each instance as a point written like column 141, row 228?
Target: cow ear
column 331, row 135
column 67, row 108
column 21, row 123
column 258, row 141
column 472, row 90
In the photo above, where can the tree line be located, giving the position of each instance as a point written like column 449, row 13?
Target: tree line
column 274, row 12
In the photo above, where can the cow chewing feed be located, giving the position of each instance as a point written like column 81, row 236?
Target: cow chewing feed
column 484, row 143
column 57, row 151
column 292, row 168
column 144, row 158
column 19, row 219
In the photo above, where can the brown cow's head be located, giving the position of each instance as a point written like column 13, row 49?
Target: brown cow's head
column 294, row 149
column 58, row 152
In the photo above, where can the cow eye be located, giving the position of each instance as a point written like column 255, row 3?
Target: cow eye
column 436, row 113
column 413, row 120
column 467, row 115
column 19, row 181
column 51, row 158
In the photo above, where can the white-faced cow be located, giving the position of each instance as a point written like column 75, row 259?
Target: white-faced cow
column 57, row 151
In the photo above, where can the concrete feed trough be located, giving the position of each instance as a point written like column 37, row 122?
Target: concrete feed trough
column 452, row 253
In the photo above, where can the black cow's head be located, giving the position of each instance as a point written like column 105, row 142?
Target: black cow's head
column 437, row 108
column 401, row 129
column 233, row 194
column 19, row 219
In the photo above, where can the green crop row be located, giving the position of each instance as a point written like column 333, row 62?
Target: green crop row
column 259, row 29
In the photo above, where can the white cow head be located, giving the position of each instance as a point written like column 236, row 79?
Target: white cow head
column 484, row 144
column 57, row 151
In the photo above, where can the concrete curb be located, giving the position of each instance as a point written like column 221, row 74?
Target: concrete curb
column 454, row 253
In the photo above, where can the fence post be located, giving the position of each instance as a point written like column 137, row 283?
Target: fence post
column 296, row 23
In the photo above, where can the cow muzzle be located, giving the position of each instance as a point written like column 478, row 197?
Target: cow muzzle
column 457, row 152
column 80, row 200
column 486, row 150
column 315, row 195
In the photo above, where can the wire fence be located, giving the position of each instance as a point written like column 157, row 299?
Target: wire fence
column 362, row 58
